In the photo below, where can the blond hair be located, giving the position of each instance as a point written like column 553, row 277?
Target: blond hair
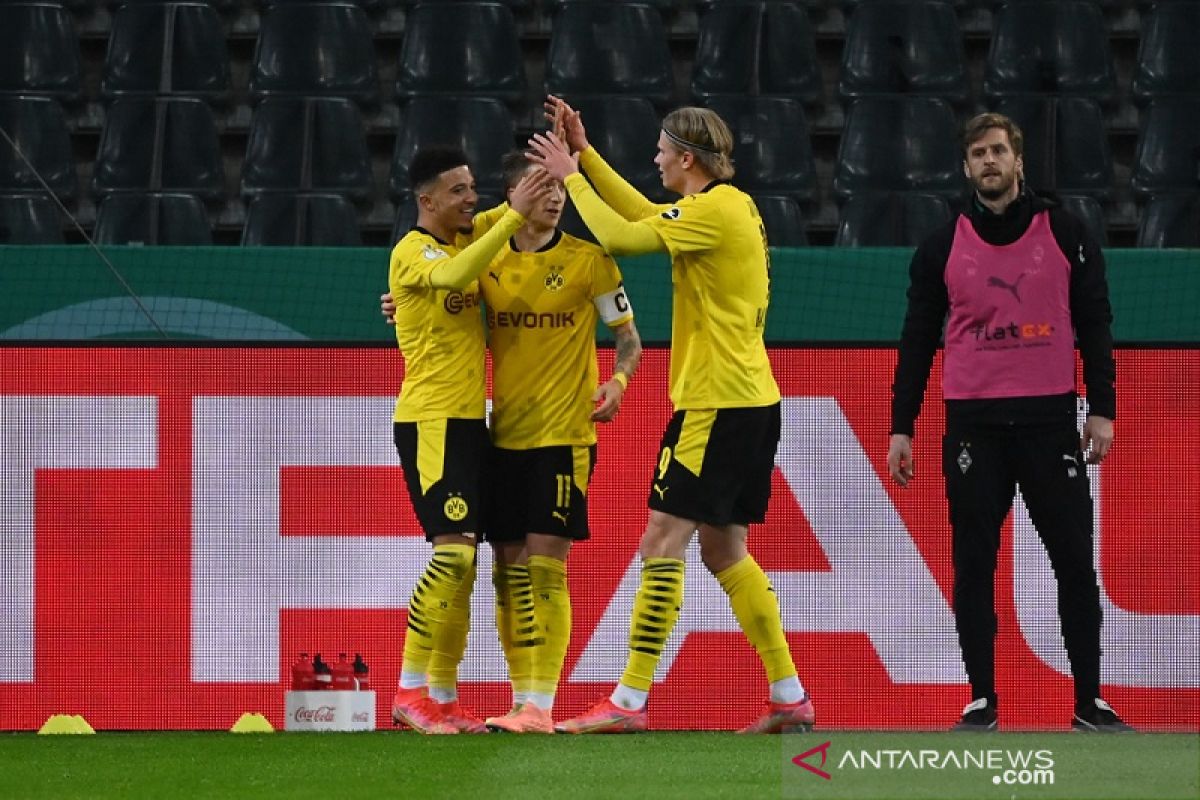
column 702, row 132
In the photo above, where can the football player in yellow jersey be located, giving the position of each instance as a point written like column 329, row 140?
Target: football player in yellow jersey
column 438, row 424
column 718, row 452
column 544, row 293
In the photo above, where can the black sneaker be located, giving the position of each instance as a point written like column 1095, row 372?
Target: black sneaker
column 979, row 717
column 1098, row 717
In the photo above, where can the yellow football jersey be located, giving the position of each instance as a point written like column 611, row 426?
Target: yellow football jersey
column 720, row 268
column 541, row 310
column 439, row 332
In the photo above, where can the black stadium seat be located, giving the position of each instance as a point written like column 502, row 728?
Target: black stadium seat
column 288, row 220
column 625, row 130
column 1058, row 48
column 315, row 49
column 459, row 49
column 166, row 49
column 153, row 218
column 1168, row 148
column 482, row 126
column 772, row 151
column 890, row 219
column 39, row 51
column 899, row 143
column 160, row 144
column 609, row 48
column 29, row 219
column 1171, row 219
column 38, row 127
column 1167, row 62
column 307, row 144
column 1066, row 149
column 783, row 220
column 751, row 48
column 904, row 47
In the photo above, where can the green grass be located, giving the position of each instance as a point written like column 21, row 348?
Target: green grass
column 658, row 765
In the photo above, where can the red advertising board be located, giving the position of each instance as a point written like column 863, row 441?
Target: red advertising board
column 177, row 524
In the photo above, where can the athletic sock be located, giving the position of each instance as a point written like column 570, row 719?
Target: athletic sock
column 655, row 610
column 757, row 610
column 431, row 603
column 552, row 607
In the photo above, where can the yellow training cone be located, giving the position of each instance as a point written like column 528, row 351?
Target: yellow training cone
column 66, row 723
column 252, row 723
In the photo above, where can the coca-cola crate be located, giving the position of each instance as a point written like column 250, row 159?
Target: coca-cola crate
column 329, row 711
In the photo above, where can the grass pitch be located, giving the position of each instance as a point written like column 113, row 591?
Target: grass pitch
column 655, row 765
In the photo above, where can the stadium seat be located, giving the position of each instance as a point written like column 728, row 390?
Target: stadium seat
column 1171, row 219
column 1167, row 62
column 750, row 48
column 625, row 131
column 406, row 213
column 890, row 219
column 609, row 48
column 38, row 127
column 322, row 220
column 482, row 126
column 39, row 51
column 164, row 144
column 1090, row 213
column 307, row 144
column 152, row 218
column 1168, row 147
column 772, row 151
column 461, row 48
column 166, row 49
column 664, row 6
column 904, row 47
column 370, row 6
column 1058, row 48
column 899, row 143
column 29, row 219
column 1066, row 149
column 315, row 49
column 783, row 219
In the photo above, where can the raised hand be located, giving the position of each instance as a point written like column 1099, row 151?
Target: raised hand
column 551, row 154
column 566, row 123
column 534, row 186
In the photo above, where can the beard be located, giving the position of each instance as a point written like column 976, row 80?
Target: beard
column 996, row 190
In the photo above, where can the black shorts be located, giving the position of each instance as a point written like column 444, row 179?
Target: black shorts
column 715, row 465
column 540, row 490
column 443, row 463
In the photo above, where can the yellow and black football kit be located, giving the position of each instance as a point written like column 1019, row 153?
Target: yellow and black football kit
column 720, row 270
column 542, row 310
column 440, row 433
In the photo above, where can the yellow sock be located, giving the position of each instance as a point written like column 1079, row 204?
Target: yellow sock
column 757, row 610
column 514, row 597
column 450, row 642
column 431, row 602
column 655, row 610
column 552, row 604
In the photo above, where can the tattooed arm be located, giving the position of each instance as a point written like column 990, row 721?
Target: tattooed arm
column 629, row 354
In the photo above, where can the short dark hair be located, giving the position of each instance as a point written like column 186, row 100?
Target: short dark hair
column 980, row 124
column 431, row 161
column 513, row 167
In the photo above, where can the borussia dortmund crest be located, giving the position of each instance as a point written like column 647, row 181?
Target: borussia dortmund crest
column 554, row 280
column 455, row 508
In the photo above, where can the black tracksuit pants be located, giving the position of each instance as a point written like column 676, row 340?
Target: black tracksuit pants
column 983, row 466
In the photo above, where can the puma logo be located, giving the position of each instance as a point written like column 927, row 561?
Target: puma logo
column 1000, row 283
column 494, row 277
column 662, row 491
column 559, row 516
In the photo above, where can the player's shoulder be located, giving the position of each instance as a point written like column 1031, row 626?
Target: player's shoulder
column 418, row 244
column 580, row 248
